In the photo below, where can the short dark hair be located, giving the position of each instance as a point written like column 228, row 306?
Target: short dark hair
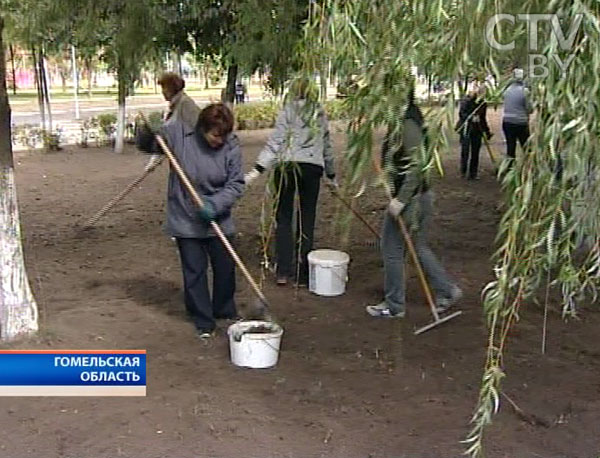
column 172, row 81
column 218, row 117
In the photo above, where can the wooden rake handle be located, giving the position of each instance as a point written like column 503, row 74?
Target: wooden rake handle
column 413, row 253
column 198, row 201
column 489, row 150
column 355, row 213
column 130, row 187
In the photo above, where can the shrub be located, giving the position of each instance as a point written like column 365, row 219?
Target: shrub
column 155, row 119
column 262, row 115
column 335, row 109
column 107, row 123
column 255, row 115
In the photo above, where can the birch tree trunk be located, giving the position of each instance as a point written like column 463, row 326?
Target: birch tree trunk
column 18, row 310
column 122, row 97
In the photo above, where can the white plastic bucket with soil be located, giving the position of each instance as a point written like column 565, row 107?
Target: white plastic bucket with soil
column 328, row 272
column 254, row 344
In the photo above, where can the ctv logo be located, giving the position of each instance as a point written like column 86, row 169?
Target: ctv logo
column 538, row 63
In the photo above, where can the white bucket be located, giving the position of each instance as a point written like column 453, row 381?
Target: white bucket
column 256, row 350
column 328, row 272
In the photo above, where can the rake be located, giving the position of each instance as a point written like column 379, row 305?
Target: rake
column 489, row 150
column 114, row 201
column 355, row 213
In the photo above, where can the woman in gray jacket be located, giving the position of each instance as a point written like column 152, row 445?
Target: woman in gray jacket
column 301, row 149
column 210, row 155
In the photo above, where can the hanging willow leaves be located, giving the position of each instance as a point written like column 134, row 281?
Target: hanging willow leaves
column 552, row 194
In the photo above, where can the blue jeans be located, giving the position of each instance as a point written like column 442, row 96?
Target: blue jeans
column 417, row 213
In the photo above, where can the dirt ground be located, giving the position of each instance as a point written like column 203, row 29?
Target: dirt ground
column 346, row 385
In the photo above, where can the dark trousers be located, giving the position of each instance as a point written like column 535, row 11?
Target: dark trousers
column 470, row 145
column 512, row 133
column 195, row 254
column 239, row 98
column 306, row 180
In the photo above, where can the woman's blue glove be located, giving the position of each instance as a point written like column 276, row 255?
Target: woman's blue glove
column 207, row 213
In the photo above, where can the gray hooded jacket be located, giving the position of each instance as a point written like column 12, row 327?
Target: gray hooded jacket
column 295, row 140
column 215, row 173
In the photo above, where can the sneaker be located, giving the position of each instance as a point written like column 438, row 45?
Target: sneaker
column 205, row 333
column 444, row 303
column 382, row 310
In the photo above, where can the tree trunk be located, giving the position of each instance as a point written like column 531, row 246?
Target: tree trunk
column 179, row 63
column 38, row 85
column 122, row 97
column 429, row 83
column 466, row 84
column 75, row 80
column 323, row 81
column 88, row 68
column 230, row 85
column 18, row 310
column 12, row 66
column 63, row 81
column 45, row 89
column 206, row 70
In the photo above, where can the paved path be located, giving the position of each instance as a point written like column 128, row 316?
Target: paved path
column 64, row 110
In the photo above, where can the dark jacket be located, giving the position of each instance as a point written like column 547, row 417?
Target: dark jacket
column 215, row 173
column 404, row 173
column 472, row 117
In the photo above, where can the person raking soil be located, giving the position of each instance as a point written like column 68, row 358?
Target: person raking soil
column 210, row 155
column 413, row 200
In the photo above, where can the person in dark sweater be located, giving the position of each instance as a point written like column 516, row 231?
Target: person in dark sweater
column 413, row 200
column 472, row 126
